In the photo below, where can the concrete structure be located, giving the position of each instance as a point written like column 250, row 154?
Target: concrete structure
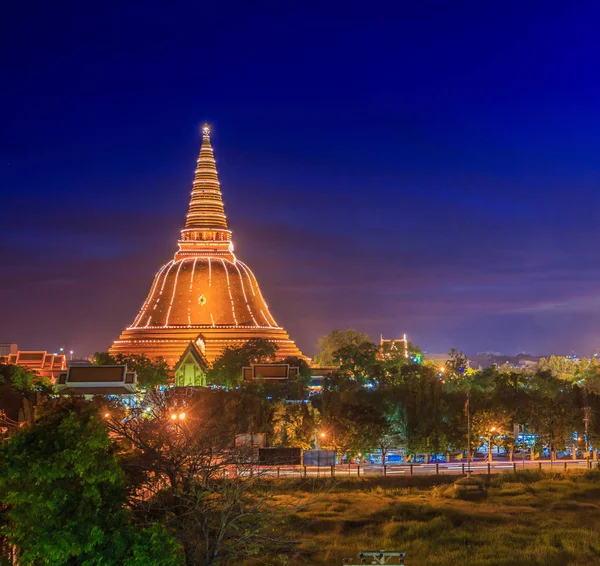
column 204, row 295
column 8, row 349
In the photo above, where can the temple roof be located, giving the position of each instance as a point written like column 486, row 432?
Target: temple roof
column 97, row 380
column 196, row 354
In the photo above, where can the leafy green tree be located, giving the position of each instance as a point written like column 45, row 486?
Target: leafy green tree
column 559, row 366
column 392, row 360
column 65, row 495
column 20, row 391
column 422, row 392
column 227, row 368
column 336, row 340
column 23, row 379
column 358, row 360
column 151, row 372
column 457, row 366
column 294, row 425
column 555, row 412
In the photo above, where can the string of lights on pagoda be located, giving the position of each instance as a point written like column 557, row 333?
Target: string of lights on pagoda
column 204, row 295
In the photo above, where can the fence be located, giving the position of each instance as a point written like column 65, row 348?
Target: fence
column 410, row 470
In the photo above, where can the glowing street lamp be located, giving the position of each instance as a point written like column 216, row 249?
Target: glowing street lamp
column 181, row 416
column 173, row 417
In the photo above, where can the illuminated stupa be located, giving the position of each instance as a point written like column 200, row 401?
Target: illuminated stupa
column 204, row 295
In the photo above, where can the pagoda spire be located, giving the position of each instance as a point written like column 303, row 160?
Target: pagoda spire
column 206, row 230
column 206, row 204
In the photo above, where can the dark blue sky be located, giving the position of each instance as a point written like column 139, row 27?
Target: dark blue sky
column 432, row 168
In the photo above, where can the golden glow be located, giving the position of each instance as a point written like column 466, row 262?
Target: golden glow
column 174, row 417
column 204, row 288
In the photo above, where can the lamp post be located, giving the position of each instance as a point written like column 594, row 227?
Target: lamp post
column 490, row 443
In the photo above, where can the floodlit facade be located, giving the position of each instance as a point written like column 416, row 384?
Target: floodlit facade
column 204, row 294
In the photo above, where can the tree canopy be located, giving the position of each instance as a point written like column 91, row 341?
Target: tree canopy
column 227, row 368
column 65, row 496
column 150, row 372
column 335, row 341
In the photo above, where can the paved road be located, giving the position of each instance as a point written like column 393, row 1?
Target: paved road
column 453, row 468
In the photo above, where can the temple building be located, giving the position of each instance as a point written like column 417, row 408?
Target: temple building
column 204, row 295
column 39, row 361
column 190, row 370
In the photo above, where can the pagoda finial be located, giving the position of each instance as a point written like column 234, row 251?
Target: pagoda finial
column 206, row 230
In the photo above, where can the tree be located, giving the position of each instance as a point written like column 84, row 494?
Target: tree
column 456, row 367
column 20, row 391
column 393, row 432
column 65, row 495
column 151, row 372
column 358, row 360
column 336, row 340
column 187, row 472
column 554, row 414
column 294, row 425
column 559, row 366
column 227, row 368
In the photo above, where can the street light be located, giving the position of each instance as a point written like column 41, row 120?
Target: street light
column 181, row 416
column 174, row 417
column 321, row 435
column 493, row 429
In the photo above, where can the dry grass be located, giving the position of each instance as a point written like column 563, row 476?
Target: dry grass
column 527, row 518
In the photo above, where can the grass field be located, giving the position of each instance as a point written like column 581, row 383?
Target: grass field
column 527, row 518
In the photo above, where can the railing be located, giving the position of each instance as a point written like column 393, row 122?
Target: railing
column 411, row 470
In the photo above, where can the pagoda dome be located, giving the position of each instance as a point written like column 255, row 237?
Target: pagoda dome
column 202, row 292
column 204, row 295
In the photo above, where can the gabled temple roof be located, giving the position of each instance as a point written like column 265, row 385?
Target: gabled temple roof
column 193, row 351
column 97, row 380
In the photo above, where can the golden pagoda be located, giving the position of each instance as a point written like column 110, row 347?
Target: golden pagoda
column 204, row 295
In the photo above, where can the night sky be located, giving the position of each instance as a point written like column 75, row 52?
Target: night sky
column 431, row 169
